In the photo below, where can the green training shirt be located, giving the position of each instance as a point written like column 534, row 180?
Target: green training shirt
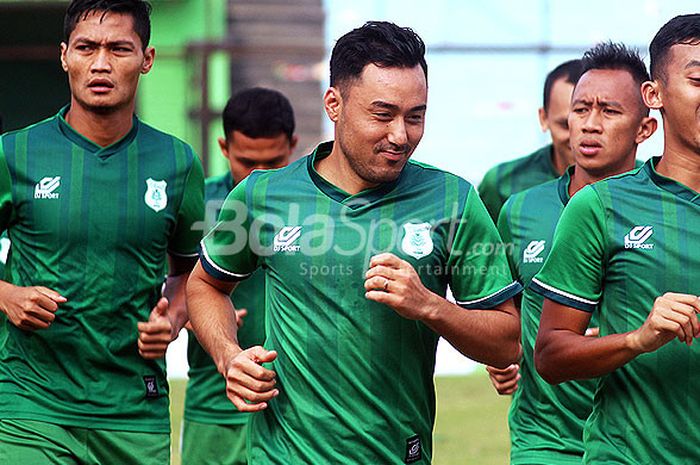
column 619, row 245
column 205, row 400
column 94, row 224
column 506, row 179
column 355, row 378
column 546, row 422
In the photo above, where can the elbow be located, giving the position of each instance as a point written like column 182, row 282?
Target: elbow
column 546, row 365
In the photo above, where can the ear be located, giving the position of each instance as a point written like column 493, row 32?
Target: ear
column 64, row 49
column 333, row 103
column 646, row 128
column 542, row 114
column 223, row 146
column 293, row 142
column 149, row 55
column 652, row 95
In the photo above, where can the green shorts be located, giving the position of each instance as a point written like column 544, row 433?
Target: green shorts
column 40, row 443
column 213, row 444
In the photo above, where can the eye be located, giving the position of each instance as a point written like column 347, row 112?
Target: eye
column 611, row 111
column 415, row 119
column 579, row 110
column 382, row 116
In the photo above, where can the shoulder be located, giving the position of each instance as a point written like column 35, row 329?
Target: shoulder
column 621, row 184
column 417, row 173
column 166, row 143
column 514, row 167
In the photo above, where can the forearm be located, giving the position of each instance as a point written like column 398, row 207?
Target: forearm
column 489, row 336
column 213, row 319
column 564, row 355
column 175, row 292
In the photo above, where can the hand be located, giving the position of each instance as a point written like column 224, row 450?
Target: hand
column 394, row 282
column 241, row 313
column 505, row 380
column 30, row 308
column 157, row 333
column 248, row 385
column 592, row 332
column 673, row 315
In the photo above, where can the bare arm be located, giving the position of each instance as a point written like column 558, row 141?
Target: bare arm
column 488, row 336
column 563, row 352
column 248, row 385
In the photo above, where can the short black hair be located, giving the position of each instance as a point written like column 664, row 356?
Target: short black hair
column 139, row 10
column 570, row 71
column 683, row 29
column 259, row 112
column 610, row 55
column 381, row 43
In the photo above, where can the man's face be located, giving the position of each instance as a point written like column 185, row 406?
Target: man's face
column 379, row 119
column 679, row 94
column 104, row 59
column 245, row 154
column 605, row 121
column 555, row 119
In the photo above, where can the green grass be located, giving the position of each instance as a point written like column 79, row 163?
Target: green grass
column 471, row 424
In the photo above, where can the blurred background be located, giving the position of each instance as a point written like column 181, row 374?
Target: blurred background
column 487, row 62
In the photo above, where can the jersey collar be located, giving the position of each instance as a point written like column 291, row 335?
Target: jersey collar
column 353, row 201
column 90, row 146
column 563, row 185
column 669, row 184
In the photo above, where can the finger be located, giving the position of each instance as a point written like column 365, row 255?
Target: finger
column 251, row 396
column 243, row 406
column 31, row 323
column 155, row 338
column 381, row 297
column 152, row 355
column 51, row 294
column 259, row 354
column 688, row 313
column 592, row 332
column 160, row 310
column 154, row 327
column 382, row 271
column 378, row 283
column 42, row 300
column 509, row 385
column 253, row 384
column 41, row 314
column 676, row 323
column 387, row 259
column 188, row 326
column 241, row 312
column 688, row 299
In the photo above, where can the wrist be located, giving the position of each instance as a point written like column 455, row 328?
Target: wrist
column 432, row 309
column 633, row 343
column 223, row 362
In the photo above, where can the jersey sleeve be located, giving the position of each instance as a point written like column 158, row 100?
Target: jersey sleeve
column 505, row 229
column 188, row 230
column 572, row 274
column 6, row 205
column 226, row 253
column 488, row 191
column 479, row 274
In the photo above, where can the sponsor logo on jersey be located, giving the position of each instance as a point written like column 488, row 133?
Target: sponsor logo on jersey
column 46, row 188
column 637, row 238
column 416, row 240
column 156, row 196
column 285, row 239
column 532, row 252
column 413, row 450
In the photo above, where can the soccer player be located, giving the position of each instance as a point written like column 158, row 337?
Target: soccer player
column 96, row 204
column 625, row 248
column 358, row 245
column 608, row 120
column 547, row 163
column 259, row 134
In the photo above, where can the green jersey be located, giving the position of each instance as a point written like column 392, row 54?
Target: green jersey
column 206, row 400
column 94, row 224
column 546, row 422
column 619, row 245
column 511, row 177
column 355, row 378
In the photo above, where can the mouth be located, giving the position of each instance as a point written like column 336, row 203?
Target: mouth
column 100, row 85
column 392, row 155
column 589, row 147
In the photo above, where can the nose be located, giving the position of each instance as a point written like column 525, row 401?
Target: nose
column 101, row 62
column 397, row 132
column 592, row 121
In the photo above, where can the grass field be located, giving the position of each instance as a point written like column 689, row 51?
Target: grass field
column 471, row 426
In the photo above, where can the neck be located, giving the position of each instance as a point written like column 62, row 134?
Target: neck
column 560, row 161
column 581, row 178
column 680, row 164
column 101, row 128
column 336, row 170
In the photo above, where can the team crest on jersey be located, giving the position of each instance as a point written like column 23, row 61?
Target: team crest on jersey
column 156, row 197
column 416, row 240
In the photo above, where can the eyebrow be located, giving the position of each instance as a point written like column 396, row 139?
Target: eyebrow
column 603, row 103
column 392, row 107
column 692, row 64
column 112, row 43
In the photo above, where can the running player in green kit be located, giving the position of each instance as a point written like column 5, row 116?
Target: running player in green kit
column 99, row 207
column 358, row 245
column 259, row 134
column 626, row 249
column 546, row 163
column 608, row 120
